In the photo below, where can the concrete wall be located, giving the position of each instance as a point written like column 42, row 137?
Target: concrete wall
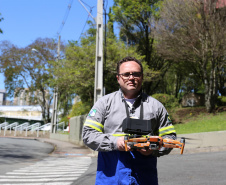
column 61, row 137
column 75, row 134
column 76, row 124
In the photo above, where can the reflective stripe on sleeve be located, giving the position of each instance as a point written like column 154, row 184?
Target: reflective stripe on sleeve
column 167, row 130
column 95, row 125
column 117, row 135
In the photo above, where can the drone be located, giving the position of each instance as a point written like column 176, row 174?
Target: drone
column 137, row 136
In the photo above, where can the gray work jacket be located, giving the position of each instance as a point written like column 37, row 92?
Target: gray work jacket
column 104, row 122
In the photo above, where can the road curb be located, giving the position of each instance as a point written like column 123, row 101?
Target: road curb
column 49, row 142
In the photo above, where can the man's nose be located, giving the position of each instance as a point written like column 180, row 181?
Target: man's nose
column 131, row 76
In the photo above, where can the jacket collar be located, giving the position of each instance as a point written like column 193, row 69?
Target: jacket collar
column 140, row 95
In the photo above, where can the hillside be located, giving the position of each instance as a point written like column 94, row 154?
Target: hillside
column 184, row 115
column 196, row 120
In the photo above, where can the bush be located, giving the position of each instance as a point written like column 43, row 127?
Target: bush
column 80, row 109
column 2, row 120
column 221, row 100
column 65, row 120
column 169, row 101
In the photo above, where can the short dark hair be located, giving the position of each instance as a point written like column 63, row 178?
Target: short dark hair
column 127, row 59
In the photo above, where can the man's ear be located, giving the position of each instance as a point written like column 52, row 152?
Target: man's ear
column 117, row 76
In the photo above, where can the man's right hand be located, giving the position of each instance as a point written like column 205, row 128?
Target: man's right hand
column 121, row 144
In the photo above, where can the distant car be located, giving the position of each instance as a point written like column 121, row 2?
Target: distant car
column 46, row 128
column 67, row 129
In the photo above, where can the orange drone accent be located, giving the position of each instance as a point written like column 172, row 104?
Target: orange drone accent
column 153, row 143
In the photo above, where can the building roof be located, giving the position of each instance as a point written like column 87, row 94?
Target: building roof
column 5, row 108
column 32, row 108
column 2, row 91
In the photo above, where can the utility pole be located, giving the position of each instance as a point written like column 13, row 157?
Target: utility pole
column 98, row 88
column 105, row 50
column 55, row 96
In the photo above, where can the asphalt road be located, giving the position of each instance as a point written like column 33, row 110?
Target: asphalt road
column 26, row 161
column 188, row 169
column 16, row 153
column 175, row 169
column 88, row 178
column 195, row 169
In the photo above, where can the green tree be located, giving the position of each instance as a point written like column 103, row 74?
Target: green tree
column 222, row 80
column 133, row 18
column 182, row 77
column 27, row 68
column 195, row 31
column 78, row 68
column 79, row 108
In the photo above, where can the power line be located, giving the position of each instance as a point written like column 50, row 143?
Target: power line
column 85, row 3
column 105, row 5
column 84, row 25
column 81, row 2
column 89, row 15
column 65, row 17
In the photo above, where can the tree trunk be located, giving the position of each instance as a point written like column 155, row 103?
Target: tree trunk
column 147, row 43
column 211, row 89
column 43, row 106
column 176, row 86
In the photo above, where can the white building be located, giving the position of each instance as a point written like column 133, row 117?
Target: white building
column 2, row 97
column 21, row 112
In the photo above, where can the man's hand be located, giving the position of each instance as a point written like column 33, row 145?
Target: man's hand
column 121, row 144
column 121, row 147
column 144, row 151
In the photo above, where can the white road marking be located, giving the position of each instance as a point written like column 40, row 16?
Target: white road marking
column 39, row 180
column 50, row 171
column 44, row 173
column 46, row 183
column 38, row 176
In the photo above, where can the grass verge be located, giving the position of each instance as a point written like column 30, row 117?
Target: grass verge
column 203, row 123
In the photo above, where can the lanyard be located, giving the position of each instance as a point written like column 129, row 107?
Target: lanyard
column 138, row 126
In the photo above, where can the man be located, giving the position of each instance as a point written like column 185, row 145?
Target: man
column 102, row 129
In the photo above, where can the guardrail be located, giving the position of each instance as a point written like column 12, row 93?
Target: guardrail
column 45, row 127
column 27, row 127
column 32, row 127
column 2, row 126
column 21, row 127
column 61, row 123
column 10, row 127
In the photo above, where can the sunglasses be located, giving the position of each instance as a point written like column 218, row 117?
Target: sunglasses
column 127, row 75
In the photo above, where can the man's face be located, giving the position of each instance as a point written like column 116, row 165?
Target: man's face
column 131, row 84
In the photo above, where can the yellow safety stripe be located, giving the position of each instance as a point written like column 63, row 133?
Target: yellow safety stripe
column 167, row 130
column 95, row 122
column 119, row 135
column 95, row 125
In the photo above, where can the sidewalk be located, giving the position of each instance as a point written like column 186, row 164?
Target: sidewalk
column 195, row 143
column 63, row 148
column 204, row 142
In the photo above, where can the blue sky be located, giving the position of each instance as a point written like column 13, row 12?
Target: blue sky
column 26, row 20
